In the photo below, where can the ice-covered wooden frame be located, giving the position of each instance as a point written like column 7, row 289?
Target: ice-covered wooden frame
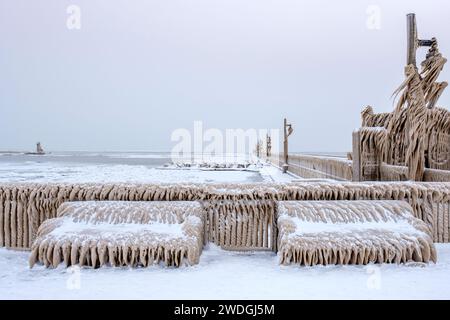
column 119, row 233
column 25, row 206
column 351, row 232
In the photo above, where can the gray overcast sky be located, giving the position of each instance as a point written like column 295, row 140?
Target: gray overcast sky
column 137, row 70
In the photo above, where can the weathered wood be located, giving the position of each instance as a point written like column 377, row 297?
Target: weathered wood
column 287, row 130
column 411, row 38
column 356, row 155
column 285, row 142
column 268, row 145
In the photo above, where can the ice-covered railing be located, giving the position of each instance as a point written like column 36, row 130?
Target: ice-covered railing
column 400, row 173
column 387, row 149
column 317, row 167
column 24, row 207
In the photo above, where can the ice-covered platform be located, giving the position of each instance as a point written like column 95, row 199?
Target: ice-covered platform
column 352, row 232
column 119, row 233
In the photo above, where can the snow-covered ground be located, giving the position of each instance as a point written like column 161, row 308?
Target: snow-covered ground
column 226, row 275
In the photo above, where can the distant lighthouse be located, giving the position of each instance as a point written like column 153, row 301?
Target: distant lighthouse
column 39, row 149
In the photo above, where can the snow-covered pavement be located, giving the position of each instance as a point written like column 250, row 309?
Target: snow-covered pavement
column 226, row 275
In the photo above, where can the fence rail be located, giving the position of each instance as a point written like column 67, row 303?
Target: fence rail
column 322, row 167
column 239, row 216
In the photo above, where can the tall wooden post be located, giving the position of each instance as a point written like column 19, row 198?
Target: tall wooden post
column 413, row 43
column 412, row 39
column 356, row 156
column 268, row 146
column 287, row 129
column 258, row 148
column 285, row 142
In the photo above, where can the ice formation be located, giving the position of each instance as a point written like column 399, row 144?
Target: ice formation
column 351, row 232
column 118, row 233
column 231, row 210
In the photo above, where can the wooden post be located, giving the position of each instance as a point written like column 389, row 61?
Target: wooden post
column 258, row 148
column 413, row 43
column 285, row 143
column 356, row 156
column 412, row 39
column 268, row 146
column 287, row 128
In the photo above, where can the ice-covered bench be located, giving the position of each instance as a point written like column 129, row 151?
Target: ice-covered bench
column 121, row 233
column 351, row 232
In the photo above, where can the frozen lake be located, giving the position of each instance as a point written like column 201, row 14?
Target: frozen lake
column 114, row 167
